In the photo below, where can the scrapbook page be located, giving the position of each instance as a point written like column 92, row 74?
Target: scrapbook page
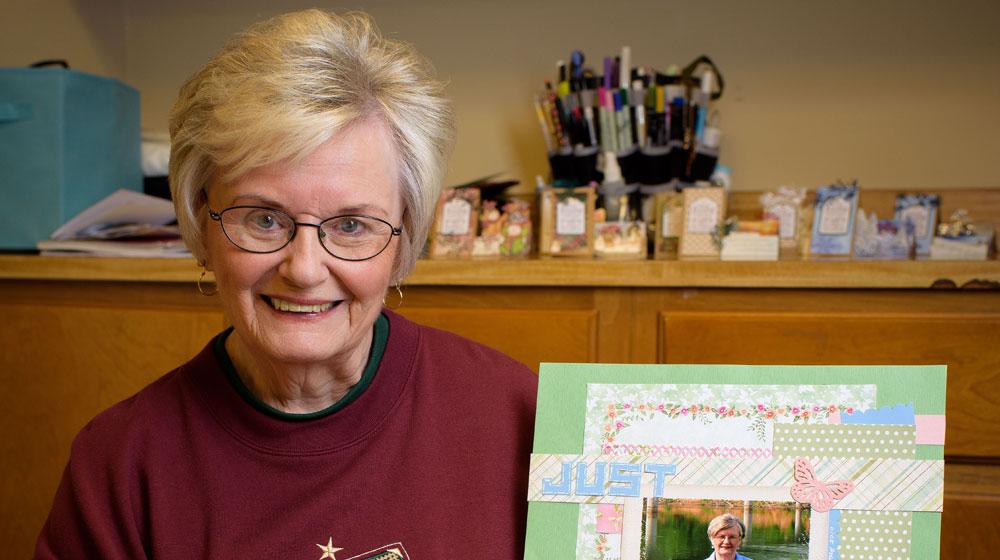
column 633, row 462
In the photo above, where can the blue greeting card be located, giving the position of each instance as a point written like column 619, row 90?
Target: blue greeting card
column 833, row 219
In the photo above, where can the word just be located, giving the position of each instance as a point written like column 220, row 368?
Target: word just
column 606, row 479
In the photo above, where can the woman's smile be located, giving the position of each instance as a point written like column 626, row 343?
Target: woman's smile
column 293, row 307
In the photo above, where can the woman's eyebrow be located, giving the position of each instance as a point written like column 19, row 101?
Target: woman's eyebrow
column 363, row 208
column 262, row 200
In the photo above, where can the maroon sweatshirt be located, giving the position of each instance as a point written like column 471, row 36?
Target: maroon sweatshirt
column 429, row 462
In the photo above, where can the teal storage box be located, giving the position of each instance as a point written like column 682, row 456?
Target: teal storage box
column 67, row 140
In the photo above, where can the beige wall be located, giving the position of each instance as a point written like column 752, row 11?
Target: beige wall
column 89, row 34
column 896, row 94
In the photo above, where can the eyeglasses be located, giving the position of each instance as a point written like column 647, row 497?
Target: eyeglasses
column 722, row 538
column 351, row 237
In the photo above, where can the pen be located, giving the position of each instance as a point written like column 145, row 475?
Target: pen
column 662, row 119
column 616, row 101
column 587, row 100
column 555, row 109
column 624, row 68
column 704, row 97
column 576, row 70
column 678, row 116
column 563, row 86
column 545, row 127
column 639, row 112
column 624, row 119
column 609, row 129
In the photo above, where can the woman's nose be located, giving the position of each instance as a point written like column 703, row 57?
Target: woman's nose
column 304, row 258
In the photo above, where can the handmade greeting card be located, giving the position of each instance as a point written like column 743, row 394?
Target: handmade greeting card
column 567, row 221
column 633, row 462
column 785, row 205
column 454, row 230
column 921, row 210
column 704, row 210
column 669, row 224
column 833, row 219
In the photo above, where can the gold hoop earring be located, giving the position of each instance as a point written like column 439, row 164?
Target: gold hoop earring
column 201, row 289
column 400, row 303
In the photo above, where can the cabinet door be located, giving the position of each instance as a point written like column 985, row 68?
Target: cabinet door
column 65, row 359
column 527, row 335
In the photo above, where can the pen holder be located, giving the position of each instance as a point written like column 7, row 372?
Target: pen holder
column 563, row 165
column 678, row 160
column 573, row 167
column 585, row 165
column 630, row 162
column 704, row 163
column 654, row 165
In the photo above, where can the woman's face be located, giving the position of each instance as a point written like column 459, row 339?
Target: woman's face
column 301, row 305
column 726, row 542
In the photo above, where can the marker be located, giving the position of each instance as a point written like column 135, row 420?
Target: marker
column 662, row 119
column 576, row 70
column 639, row 112
column 699, row 101
column 616, row 98
column 563, row 86
column 609, row 131
column 587, row 100
column 625, row 120
column 625, row 68
column 703, row 100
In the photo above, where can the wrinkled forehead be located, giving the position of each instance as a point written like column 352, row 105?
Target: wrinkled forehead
column 354, row 169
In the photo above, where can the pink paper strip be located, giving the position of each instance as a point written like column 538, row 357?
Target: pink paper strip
column 930, row 429
column 609, row 518
column 833, row 419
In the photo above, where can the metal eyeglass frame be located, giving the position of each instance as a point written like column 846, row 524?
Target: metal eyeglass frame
column 217, row 216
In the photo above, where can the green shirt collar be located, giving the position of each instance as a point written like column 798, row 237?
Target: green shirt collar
column 380, row 338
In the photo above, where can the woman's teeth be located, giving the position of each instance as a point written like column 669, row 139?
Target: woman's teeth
column 282, row 305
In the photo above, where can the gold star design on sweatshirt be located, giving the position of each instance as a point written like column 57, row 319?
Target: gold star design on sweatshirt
column 329, row 551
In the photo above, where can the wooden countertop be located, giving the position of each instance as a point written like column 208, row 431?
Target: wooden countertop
column 563, row 272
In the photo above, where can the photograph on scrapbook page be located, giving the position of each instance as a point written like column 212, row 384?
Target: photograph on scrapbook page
column 676, row 529
column 642, row 462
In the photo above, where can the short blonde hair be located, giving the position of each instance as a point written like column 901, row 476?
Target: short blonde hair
column 284, row 87
column 723, row 522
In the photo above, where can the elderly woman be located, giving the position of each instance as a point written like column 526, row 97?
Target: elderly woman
column 306, row 160
column 726, row 532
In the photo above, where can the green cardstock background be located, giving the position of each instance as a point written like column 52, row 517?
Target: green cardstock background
column 562, row 404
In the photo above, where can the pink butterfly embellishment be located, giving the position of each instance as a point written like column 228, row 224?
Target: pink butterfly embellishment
column 810, row 490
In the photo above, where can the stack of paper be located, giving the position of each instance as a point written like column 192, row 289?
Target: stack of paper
column 125, row 224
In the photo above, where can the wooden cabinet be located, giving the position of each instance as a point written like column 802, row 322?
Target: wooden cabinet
column 80, row 334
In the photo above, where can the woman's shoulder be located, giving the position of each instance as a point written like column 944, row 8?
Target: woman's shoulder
column 126, row 420
column 451, row 355
column 150, row 411
column 435, row 339
column 461, row 349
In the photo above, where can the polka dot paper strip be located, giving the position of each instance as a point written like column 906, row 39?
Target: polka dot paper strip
column 882, row 535
column 845, row 440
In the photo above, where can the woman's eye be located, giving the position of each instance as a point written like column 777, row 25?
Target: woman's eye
column 351, row 226
column 263, row 220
